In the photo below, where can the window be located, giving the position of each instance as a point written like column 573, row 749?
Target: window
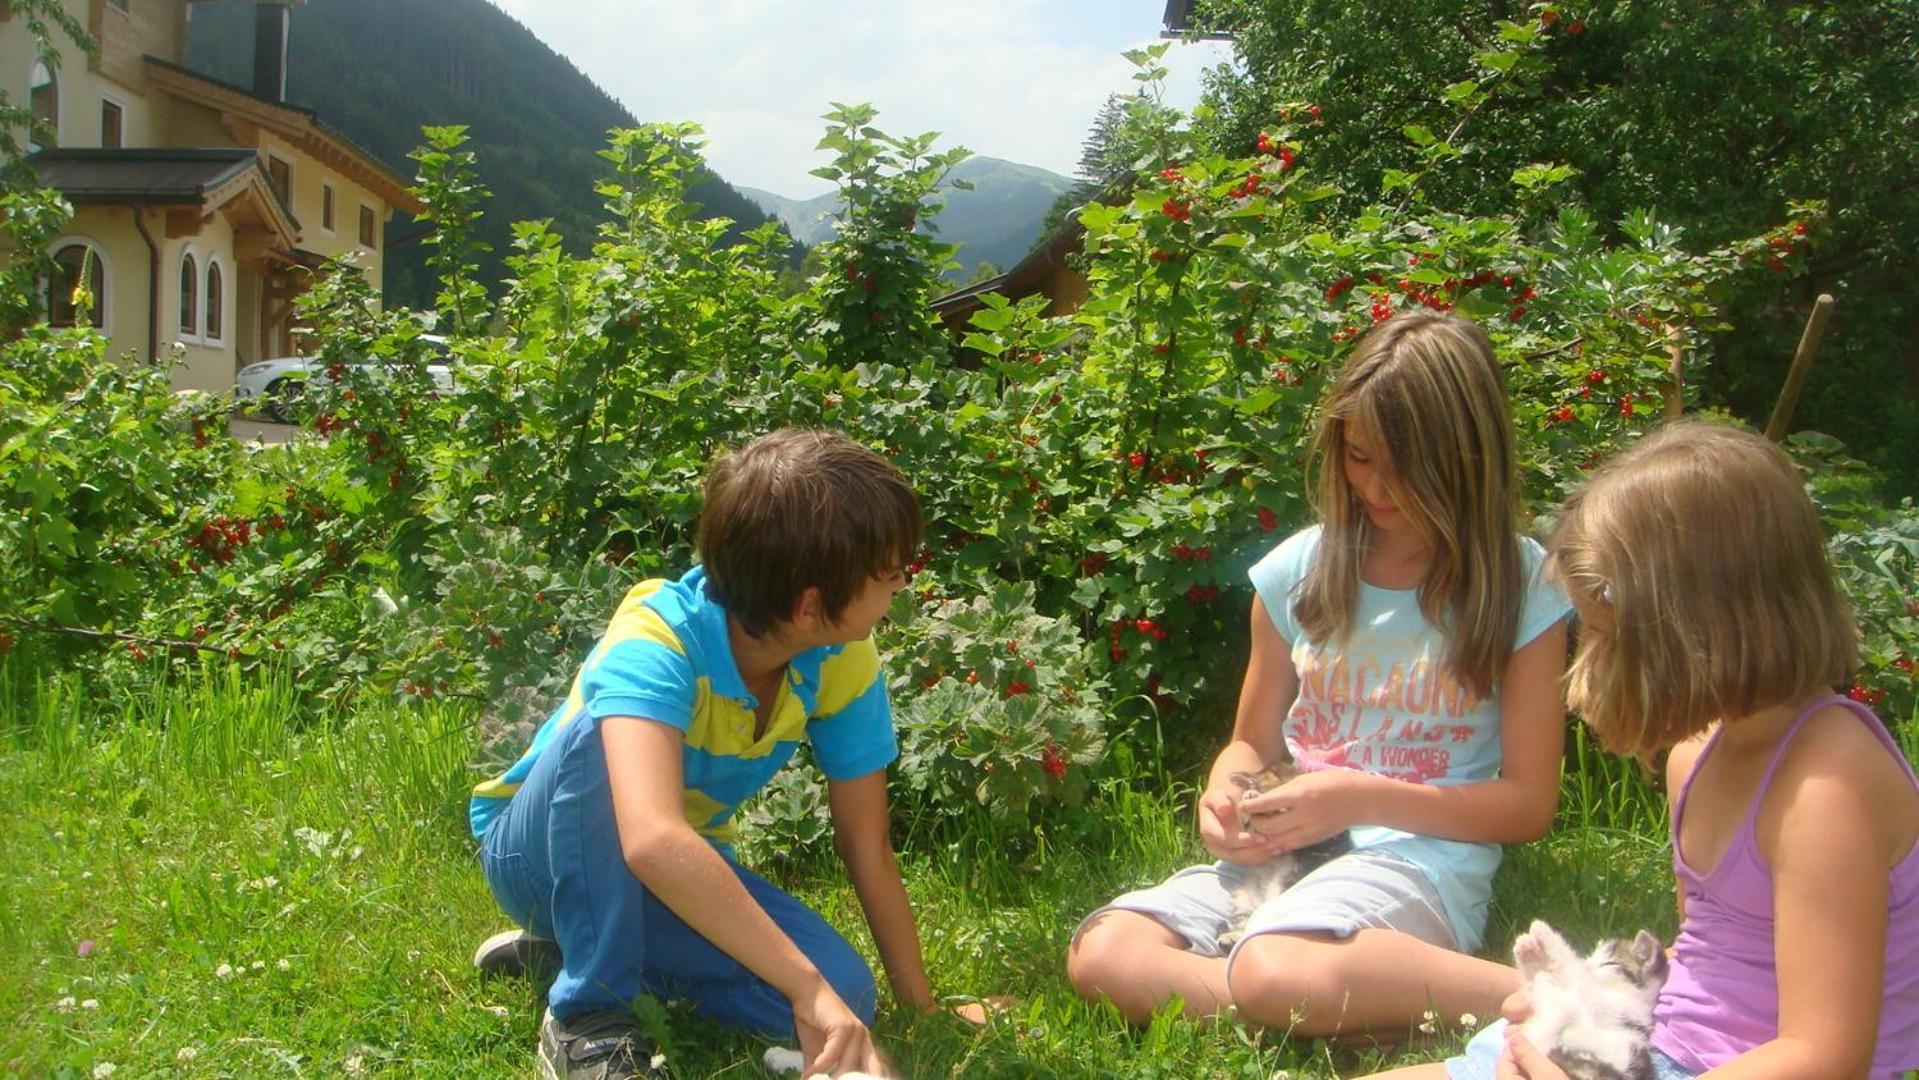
column 368, row 235
column 326, row 206
column 282, row 176
column 189, row 297
column 215, row 308
column 69, row 263
column 112, row 119
column 43, row 91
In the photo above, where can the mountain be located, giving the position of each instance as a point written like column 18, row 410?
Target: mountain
column 377, row 70
column 995, row 222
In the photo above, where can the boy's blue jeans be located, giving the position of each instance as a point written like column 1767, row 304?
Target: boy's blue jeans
column 553, row 861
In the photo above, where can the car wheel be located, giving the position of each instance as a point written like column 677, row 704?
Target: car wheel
column 282, row 395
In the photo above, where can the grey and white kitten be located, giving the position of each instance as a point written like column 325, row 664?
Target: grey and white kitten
column 1274, row 876
column 1592, row 1014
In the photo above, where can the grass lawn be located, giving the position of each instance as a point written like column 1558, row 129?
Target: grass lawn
column 204, row 879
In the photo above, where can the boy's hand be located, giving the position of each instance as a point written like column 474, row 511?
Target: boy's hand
column 977, row 1012
column 833, row 1037
column 1219, row 830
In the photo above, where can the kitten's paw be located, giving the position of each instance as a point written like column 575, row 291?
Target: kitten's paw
column 1229, row 939
column 1529, row 951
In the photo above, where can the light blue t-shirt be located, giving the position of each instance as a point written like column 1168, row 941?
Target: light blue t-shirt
column 1383, row 703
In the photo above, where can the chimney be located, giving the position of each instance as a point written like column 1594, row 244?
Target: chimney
column 270, row 49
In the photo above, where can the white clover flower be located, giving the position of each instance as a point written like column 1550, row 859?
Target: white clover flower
column 104, row 1070
column 224, row 971
column 186, row 1054
column 259, row 965
column 90, row 1004
column 500, row 1011
column 355, row 1065
column 64, row 1005
column 1468, row 1020
column 284, row 964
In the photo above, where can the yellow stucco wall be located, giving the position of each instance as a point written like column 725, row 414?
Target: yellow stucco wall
column 83, row 83
column 124, row 261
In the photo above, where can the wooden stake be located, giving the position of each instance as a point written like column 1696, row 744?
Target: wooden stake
column 1801, row 367
column 1676, row 365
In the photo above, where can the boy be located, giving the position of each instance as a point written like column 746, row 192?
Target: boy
column 611, row 836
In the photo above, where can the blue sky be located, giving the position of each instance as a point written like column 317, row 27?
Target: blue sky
column 1016, row 79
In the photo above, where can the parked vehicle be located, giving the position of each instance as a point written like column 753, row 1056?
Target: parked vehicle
column 277, row 385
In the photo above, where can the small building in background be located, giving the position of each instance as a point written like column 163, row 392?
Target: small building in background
column 201, row 208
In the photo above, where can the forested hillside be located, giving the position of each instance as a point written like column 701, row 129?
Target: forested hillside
column 377, row 70
column 996, row 221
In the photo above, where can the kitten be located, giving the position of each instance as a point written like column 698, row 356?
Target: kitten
column 1592, row 1015
column 1277, row 874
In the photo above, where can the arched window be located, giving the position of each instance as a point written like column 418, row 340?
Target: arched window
column 69, row 263
column 216, row 312
column 43, row 90
column 189, row 297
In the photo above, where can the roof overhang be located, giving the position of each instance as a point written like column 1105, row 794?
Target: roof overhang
column 239, row 109
column 195, row 183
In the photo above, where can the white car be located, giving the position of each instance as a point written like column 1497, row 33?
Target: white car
column 277, row 384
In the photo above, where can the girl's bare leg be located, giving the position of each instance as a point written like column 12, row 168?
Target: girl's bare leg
column 1135, row 962
column 1374, row 981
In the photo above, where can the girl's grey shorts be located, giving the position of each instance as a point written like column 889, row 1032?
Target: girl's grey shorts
column 1360, row 890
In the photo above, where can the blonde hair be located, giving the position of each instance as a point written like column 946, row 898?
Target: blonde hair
column 1698, row 568
column 1426, row 389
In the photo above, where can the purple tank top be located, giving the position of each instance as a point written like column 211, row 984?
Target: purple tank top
column 1722, row 996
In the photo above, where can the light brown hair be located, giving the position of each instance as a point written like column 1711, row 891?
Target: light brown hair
column 1698, row 568
column 798, row 509
column 1428, row 392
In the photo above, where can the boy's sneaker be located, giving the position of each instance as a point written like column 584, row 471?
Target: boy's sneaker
column 516, row 954
column 594, row 1046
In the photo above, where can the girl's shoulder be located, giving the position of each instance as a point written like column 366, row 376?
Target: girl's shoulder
column 1839, row 762
column 1288, row 560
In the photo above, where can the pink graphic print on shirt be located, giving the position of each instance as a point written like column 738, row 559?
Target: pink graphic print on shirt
column 1357, row 712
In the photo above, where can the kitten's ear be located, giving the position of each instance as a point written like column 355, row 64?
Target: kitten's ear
column 1244, row 780
column 1650, row 954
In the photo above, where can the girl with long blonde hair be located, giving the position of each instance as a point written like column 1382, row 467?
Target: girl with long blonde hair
column 1406, row 654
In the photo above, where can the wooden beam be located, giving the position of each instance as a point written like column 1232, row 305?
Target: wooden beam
column 1809, row 340
column 184, row 222
column 252, row 245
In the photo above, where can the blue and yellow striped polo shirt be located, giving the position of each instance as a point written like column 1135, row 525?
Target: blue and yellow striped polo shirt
column 666, row 657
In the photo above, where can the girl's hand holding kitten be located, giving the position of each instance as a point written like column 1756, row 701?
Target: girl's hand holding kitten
column 1219, row 830
column 1307, row 809
column 1521, row 1060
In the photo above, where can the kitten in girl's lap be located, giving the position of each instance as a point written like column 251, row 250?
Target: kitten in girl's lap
column 1592, row 1014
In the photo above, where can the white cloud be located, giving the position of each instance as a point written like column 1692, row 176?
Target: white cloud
column 1017, row 79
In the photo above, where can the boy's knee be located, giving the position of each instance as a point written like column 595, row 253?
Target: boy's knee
column 850, row 977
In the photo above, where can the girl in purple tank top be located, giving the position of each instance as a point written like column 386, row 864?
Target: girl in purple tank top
column 1710, row 624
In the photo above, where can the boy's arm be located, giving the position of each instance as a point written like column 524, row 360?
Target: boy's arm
column 644, row 771
column 861, row 836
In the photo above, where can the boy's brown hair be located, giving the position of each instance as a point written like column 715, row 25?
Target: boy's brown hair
column 798, row 509
column 1698, row 568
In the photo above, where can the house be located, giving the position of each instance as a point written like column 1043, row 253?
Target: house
column 1047, row 270
column 200, row 208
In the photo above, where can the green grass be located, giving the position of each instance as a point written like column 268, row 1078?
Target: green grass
column 217, row 824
